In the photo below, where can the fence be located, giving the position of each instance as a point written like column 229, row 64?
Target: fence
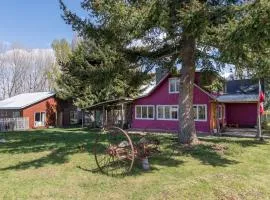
column 14, row 124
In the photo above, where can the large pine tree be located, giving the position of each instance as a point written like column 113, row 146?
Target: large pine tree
column 169, row 32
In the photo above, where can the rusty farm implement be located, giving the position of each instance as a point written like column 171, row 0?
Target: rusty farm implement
column 115, row 152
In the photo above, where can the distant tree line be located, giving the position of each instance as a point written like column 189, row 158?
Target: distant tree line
column 25, row 70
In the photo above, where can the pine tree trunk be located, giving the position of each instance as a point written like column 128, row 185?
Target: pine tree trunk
column 187, row 132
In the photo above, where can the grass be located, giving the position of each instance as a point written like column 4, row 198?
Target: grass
column 59, row 164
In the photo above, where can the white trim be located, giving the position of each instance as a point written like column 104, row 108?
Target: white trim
column 26, row 105
column 154, row 88
column 147, row 112
column 40, row 118
column 171, row 119
column 169, row 85
column 223, row 115
column 164, row 78
column 197, row 114
column 204, row 91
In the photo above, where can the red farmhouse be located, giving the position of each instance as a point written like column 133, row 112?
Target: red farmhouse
column 158, row 110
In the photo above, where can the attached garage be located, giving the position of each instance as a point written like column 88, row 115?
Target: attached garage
column 241, row 110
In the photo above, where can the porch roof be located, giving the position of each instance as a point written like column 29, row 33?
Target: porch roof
column 111, row 102
column 238, row 98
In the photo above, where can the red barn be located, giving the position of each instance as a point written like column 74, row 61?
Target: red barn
column 39, row 108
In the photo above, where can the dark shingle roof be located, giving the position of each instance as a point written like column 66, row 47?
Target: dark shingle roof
column 245, row 86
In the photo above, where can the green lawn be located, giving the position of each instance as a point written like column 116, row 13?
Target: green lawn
column 59, row 164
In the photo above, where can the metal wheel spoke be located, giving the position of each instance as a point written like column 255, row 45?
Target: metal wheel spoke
column 117, row 153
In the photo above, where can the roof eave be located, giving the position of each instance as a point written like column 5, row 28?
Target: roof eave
column 37, row 101
column 27, row 105
column 10, row 108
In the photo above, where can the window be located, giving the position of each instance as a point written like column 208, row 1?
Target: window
column 144, row 112
column 40, row 119
column 73, row 117
column 174, row 85
column 167, row 112
column 16, row 114
column 200, row 112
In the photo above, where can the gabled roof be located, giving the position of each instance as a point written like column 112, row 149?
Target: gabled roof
column 23, row 100
column 165, row 78
column 152, row 89
column 240, row 91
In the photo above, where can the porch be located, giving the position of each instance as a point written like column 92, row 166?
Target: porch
column 111, row 113
column 14, row 124
column 234, row 113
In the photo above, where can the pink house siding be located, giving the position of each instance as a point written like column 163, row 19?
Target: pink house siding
column 161, row 96
column 243, row 114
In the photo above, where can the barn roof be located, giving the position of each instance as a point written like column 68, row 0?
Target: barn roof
column 23, row 100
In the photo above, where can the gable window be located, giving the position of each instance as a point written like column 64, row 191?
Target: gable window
column 73, row 117
column 144, row 112
column 200, row 112
column 16, row 114
column 167, row 112
column 174, row 85
column 40, row 119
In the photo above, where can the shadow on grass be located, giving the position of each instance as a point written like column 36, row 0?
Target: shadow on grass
column 207, row 155
column 61, row 143
column 243, row 142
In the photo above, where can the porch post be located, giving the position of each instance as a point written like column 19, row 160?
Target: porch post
column 103, row 116
column 82, row 118
column 259, row 134
column 259, row 129
column 122, row 115
column 106, row 116
column 217, row 119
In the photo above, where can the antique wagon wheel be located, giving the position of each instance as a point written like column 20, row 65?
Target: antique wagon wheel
column 114, row 152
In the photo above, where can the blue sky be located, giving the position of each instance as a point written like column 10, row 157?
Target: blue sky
column 35, row 23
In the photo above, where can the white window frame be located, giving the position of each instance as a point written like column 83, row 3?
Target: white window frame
column 147, row 106
column 170, row 119
column 175, row 84
column 42, row 124
column 197, row 113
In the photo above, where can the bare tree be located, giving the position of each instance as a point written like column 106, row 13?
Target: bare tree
column 23, row 70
